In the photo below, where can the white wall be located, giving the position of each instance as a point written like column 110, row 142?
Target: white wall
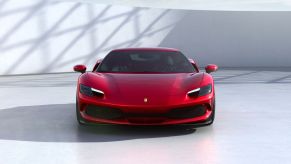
column 230, row 5
column 43, row 36
column 234, row 38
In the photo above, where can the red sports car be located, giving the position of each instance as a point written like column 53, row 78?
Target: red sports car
column 145, row 86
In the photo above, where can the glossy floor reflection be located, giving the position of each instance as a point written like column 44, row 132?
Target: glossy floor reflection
column 253, row 124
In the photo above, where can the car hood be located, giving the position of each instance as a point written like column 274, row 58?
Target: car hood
column 134, row 88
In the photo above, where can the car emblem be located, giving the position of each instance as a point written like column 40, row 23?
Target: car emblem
column 145, row 100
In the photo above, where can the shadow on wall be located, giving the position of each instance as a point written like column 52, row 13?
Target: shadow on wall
column 54, row 36
column 57, row 123
column 234, row 38
column 42, row 36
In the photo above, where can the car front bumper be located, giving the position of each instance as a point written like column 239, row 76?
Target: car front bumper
column 197, row 111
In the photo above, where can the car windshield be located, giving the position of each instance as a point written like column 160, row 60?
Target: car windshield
column 145, row 62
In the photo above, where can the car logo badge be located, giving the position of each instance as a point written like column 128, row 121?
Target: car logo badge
column 145, row 100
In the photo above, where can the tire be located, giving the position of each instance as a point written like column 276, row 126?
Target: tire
column 80, row 120
column 212, row 117
column 208, row 122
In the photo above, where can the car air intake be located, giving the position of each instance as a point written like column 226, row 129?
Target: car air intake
column 103, row 112
column 187, row 112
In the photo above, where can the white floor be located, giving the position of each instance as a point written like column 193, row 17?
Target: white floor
column 253, row 125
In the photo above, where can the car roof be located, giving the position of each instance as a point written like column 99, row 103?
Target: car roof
column 147, row 49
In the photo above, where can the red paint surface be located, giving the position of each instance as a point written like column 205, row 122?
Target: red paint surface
column 127, row 91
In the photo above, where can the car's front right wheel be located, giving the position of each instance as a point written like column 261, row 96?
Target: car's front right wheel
column 80, row 120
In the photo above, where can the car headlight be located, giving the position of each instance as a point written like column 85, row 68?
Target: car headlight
column 200, row 91
column 88, row 91
column 205, row 90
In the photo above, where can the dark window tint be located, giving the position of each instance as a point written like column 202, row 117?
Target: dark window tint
column 145, row 62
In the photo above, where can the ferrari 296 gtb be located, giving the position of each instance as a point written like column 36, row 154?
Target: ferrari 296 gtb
column 145, row 86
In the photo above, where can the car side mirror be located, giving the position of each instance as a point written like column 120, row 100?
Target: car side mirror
column 80, row 68
column 211, row 68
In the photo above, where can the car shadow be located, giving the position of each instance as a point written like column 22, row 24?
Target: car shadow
column 57, row 123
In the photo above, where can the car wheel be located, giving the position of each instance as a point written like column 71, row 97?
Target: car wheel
column 80, row 120
column 212, row 117
column 208, row 122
